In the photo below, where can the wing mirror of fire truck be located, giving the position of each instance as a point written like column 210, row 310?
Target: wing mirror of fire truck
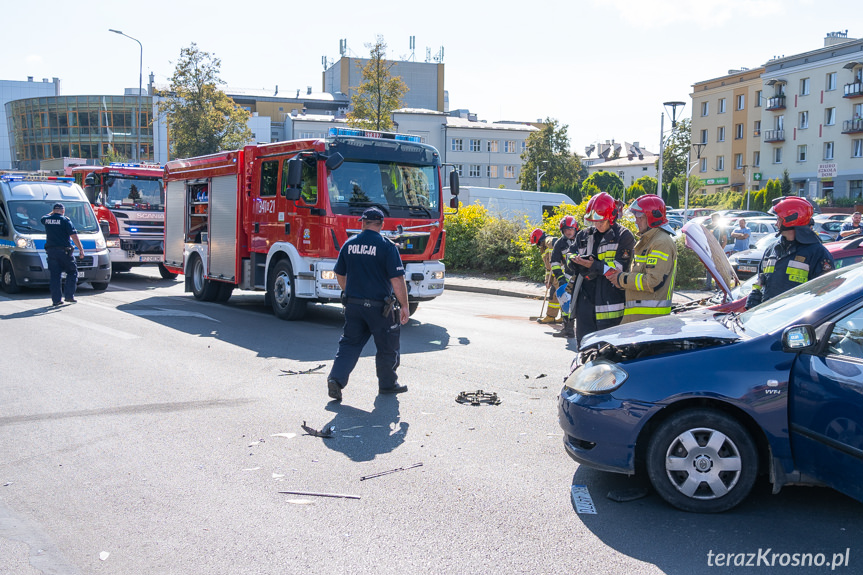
column 453, row 183
column 335, row 161
column 295, row 177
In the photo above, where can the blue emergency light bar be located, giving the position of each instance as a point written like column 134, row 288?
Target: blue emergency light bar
column 373, row 134
column 127, row 165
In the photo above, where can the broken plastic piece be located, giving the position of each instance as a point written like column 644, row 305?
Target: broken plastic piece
column 313, row 494
column 327, row 432
column 373, row 475
column 304, row 372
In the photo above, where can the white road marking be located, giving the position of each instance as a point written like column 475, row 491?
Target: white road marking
column 94, row 326
column 168, row 312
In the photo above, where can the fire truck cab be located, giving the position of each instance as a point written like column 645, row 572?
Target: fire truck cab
column 273, row 217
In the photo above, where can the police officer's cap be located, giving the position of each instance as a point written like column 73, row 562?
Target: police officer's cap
column 59, row 206
column 373, row 215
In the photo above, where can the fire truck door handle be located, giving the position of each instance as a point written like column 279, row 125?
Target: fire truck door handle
column 257, row 228
column 287, row 228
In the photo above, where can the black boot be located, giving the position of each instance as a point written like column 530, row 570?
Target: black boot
column 568, row 330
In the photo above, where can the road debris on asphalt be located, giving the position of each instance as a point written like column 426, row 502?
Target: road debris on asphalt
column 478, row 397
column 314, row 370
column 285, row 435
column 326, row 433
column 381, row 473
column 315, row 494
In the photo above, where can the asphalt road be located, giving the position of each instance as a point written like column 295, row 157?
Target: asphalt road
column 142, row 431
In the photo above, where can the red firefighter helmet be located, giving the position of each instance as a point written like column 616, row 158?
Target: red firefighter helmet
column 653, row 209
column 536, row 236
column 600, row 207
column 792, row 212
column 568, row 222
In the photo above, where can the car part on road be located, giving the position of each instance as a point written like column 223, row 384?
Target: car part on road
column 326, row 433
column 478, row 397
column 304, row 372
column 379, row 474
column 314, row 494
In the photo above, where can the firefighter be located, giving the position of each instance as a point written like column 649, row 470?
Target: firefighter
column 796, row 258
column 603, row 247
column 370, row 272
column 561, row 270
column 546, row 243
column 649, row 284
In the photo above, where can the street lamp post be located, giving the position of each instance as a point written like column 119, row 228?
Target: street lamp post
column 673, row 106
column 689, row 166
column 137, row 154
column 539, row 174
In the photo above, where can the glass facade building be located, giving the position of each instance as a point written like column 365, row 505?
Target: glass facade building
column 77, row 126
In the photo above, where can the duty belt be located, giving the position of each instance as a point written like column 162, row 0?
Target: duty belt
column 365, row 302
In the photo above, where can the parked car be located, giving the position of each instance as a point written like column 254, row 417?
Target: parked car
column 759, row 227
column 691, row 213
column 705, row 403
column 827, row 226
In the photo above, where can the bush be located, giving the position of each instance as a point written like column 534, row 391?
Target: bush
column 461, row 232
column 496, row 247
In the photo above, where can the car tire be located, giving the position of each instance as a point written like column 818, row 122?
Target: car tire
column 7, row 277
column 202, row 288
column 702, row 461
column 225, row 291
column 166, row 273
column 99, row 286
column 281, row 290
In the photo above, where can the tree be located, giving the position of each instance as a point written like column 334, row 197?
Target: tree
column 676, row 152
column 673, row 196
column 786, row 183
column 648, row 183
column 380, row 94
column 549, row 149
column 607, row 182
column 202, row 119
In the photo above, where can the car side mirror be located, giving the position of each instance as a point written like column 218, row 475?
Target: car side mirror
column 335, row 161
column 799, row 338
column 453, row 183
column 294, row 178
column 105, row 227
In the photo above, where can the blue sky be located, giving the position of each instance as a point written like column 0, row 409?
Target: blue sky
column 602, row 68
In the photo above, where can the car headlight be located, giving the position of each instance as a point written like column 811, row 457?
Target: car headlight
column 24, row 242
column 596, row 377
column 328, row 275
column 100, row 243
column 113, row 243
column 436, row 275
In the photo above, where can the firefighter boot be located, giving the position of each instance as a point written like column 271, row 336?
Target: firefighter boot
column 568, row 330
column 547, row 319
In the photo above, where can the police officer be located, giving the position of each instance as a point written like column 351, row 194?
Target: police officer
column 560, row 268
column 59, row 235
column 796, row 258
column 371, row 275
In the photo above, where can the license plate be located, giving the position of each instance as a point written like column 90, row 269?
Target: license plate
column 150, row 258
column 747, row 269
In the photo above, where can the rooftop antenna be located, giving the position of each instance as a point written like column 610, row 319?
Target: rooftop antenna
column 343, row 47
column 428, row 54
column 413, row 45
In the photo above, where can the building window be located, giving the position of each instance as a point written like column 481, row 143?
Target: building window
column 509, row 171
column 720, row 134
column 855, row 189
column 756, row 159
column 721, row 106
column 474, row 171
column 509, row 146
column 474, row 145
column 705, row 108
column 741, row 101
column 804, row 120
column 523, row 146
column 738, row 132
column 777, row 155
column 758, row 99
column 457, row 145
column 492, row 145
column 703, row 166
column 801, row 153
column 720, row 163
column 491, row 171
column 459, row 169
column 831, row 82
column 738, row 161
column 757, row 128
column 857, row 151
column 828, row 150
column 703, row 136
column 829, row 116
column 804, row 86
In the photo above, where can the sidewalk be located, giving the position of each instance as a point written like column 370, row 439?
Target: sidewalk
column 529, row 289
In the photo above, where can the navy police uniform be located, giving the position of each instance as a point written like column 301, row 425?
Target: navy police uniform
column 369, row 261
column 58, row 246
column 788, row 264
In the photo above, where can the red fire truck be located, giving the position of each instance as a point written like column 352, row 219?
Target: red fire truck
column 131, row 198
column 272, row 217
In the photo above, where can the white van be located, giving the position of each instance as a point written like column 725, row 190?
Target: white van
column 24, row 199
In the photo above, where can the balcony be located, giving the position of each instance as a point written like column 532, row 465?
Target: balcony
column 854, row 90
column 854, row 126
column 774, row 135
column 776, row 103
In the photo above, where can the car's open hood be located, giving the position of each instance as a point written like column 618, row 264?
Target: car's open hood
column 692, row 326
column 711, row 254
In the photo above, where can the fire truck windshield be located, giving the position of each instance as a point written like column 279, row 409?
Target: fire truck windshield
column 401, row 190
column 134, row 193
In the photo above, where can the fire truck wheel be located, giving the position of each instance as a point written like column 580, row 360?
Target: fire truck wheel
column 7, row 277
column 202, row 288
column 280, row 288
column 166, row 273
column 412, row 307
column 225, row 291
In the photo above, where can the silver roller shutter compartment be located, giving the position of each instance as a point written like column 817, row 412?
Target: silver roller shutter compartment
column 223, row 228
column 175, row 210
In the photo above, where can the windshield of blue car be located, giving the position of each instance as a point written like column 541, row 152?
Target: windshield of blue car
column 797, row 304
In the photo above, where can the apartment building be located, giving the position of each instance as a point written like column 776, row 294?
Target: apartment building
column 726, row 125
column 813, row 119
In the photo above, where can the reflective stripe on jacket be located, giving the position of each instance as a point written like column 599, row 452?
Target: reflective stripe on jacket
column 650, row 283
